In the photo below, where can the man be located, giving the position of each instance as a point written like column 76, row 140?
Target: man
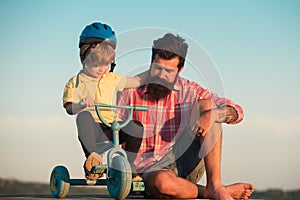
column 182, row 125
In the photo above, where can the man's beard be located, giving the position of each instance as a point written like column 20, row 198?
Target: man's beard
column 157, row 91
column 158, row 88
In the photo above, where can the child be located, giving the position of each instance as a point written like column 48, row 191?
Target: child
column 96, row 84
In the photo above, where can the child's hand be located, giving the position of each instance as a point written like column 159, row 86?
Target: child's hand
column 88, row 101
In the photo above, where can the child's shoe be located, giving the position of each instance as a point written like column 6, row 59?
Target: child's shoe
column 93, row 159
column 136, row 178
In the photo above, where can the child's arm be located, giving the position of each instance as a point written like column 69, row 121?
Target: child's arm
column 138, row 80
column 75, row 108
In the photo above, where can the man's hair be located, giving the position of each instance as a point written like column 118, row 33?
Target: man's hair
column 170, row 46
column 97, row 54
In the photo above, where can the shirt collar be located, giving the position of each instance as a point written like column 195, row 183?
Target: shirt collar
column 84, row 77
column 87, row 78
column 177, row 84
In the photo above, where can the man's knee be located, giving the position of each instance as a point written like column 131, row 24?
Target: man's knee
column 159, row 183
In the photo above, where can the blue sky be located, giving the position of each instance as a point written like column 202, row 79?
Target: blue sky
column 254, row 45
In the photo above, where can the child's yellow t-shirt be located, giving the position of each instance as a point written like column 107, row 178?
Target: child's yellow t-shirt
column 103, row 91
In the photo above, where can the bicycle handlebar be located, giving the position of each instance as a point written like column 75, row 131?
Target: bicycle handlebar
column 131, row 108
column 115, row 126
column 140, row 108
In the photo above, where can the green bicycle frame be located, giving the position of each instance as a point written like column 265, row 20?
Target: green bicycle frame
column 115, row 126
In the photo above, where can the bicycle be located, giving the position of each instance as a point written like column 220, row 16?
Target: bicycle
column 117, row 170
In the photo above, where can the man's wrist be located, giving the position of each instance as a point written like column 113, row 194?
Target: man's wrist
column 225, row 114
column 220, row 115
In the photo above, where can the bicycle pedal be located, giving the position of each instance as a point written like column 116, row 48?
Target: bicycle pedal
column 91, row 182
column 99, row 169
column 138, row 186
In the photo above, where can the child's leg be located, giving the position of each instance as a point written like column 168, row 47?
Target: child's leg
column 132, row 134
column 90, row 132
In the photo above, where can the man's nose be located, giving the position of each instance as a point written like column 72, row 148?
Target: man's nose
column 162, row 74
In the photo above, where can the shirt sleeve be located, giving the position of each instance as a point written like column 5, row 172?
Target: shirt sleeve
column 219, row 101
column 69, row 95
column 121, row 82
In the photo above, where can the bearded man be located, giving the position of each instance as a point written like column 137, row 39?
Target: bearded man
column 182, row 130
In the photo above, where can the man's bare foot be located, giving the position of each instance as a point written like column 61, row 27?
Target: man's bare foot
column 220, row 193
column 236, row 191
column 240, row 190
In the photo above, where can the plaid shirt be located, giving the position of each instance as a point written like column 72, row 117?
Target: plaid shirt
column 168, row 118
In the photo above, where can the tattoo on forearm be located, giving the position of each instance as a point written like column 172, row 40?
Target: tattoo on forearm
column 222, row 116
column 231, row 114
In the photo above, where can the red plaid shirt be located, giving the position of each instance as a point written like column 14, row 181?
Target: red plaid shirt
column 168, row 118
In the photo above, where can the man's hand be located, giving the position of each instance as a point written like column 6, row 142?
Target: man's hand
column 202, row 116
column 206, row 120
column 206, row 113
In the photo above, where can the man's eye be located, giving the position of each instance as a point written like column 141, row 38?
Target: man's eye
column 170, row 70
column 157, row 67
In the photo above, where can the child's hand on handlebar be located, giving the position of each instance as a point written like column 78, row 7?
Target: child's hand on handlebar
column 87, row 102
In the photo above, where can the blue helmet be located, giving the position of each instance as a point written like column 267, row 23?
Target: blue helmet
column 97, row 32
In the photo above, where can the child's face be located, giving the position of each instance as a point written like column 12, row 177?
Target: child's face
column 98, row 60
column 96, row 71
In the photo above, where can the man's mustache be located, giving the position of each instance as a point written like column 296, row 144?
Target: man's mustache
column 159, row 81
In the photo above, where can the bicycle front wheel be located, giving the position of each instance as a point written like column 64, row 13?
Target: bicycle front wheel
column 119, row 177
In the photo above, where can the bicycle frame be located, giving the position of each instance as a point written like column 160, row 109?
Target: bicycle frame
column 115, row 126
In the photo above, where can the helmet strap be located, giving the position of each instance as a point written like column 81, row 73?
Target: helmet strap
column 77, row 79
column 112, row 66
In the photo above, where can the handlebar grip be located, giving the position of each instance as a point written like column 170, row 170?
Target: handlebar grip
column 141, row 108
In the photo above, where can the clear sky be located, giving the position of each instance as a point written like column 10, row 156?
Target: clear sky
column 254, row 45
